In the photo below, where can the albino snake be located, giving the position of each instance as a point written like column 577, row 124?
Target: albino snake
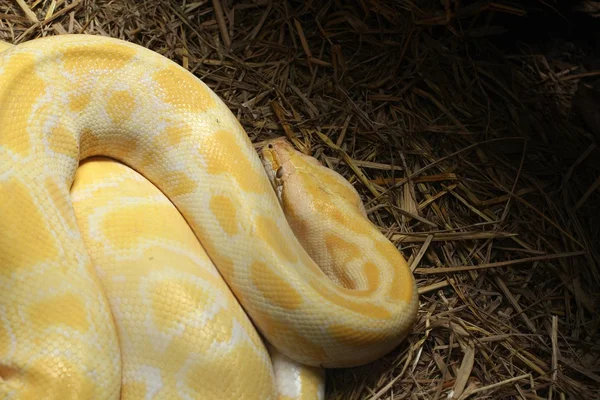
column 108, row 286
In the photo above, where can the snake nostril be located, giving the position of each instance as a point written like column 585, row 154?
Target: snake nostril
column 279, row 173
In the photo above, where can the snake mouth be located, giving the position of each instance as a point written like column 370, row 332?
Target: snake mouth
column 271, row 174
column 274, row 155
column 269, row 162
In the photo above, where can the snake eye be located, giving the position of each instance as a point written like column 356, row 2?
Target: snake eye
column 279, row 173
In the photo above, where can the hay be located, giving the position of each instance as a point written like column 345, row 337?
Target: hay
column 469, row 159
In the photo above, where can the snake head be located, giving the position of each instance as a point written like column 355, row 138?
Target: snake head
column 278, row 160
column 271, row 156
column 301, row 179
column 284, row 164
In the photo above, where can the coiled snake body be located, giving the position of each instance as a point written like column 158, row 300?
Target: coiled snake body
column 108, row 286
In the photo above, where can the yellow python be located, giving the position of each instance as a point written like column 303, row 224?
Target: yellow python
column 108, row 285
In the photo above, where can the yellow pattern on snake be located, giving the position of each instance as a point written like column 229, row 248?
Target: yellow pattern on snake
column 108, row 273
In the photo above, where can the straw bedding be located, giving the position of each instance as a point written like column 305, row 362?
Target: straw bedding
column 478, row 159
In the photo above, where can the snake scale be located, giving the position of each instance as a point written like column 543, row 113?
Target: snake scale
column 147, row 249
